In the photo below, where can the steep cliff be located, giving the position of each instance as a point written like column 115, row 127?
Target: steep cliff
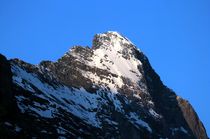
column 107, row 91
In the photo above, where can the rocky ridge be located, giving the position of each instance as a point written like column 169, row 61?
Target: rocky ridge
column 107, row 91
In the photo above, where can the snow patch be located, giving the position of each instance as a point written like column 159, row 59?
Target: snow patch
column 104, row 82
column 115, row 63
column 136, row 96
column 83, row 104
column 17, row 128
column 154, row 113
column 113, row 98
column 136, row 120
column 18, row 80
column 111, row 122
column 177, row 129
column 110, row 57
column 7, row 123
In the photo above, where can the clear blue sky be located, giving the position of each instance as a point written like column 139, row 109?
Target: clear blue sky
column 175, row 35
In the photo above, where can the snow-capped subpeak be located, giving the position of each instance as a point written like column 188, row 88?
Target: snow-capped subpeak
column 116, row 54
column 111, row 38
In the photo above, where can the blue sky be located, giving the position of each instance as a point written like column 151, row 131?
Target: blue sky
column 175, row 35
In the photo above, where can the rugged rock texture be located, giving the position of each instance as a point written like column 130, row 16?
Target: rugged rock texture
column 107, row 91
column 192, row 119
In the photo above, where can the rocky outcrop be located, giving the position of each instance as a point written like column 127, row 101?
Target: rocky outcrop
column 192, row 119
column 107, row 91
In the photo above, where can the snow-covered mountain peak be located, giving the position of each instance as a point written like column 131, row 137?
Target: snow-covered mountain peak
column 113, row 53
column 98, row 92
column 112, row 39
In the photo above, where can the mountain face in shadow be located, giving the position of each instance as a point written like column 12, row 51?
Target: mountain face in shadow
column 107, row 91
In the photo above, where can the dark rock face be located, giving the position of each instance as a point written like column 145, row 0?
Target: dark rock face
column 107, row 91
column 6, row 97
column 8, row 107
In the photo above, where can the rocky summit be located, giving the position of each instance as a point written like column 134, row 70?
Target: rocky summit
column 107, row 91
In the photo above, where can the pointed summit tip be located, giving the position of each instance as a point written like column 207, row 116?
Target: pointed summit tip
column 110, row 32
column 110, row 38
column 113, row 33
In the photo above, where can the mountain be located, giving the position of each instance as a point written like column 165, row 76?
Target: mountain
column 107, row 91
